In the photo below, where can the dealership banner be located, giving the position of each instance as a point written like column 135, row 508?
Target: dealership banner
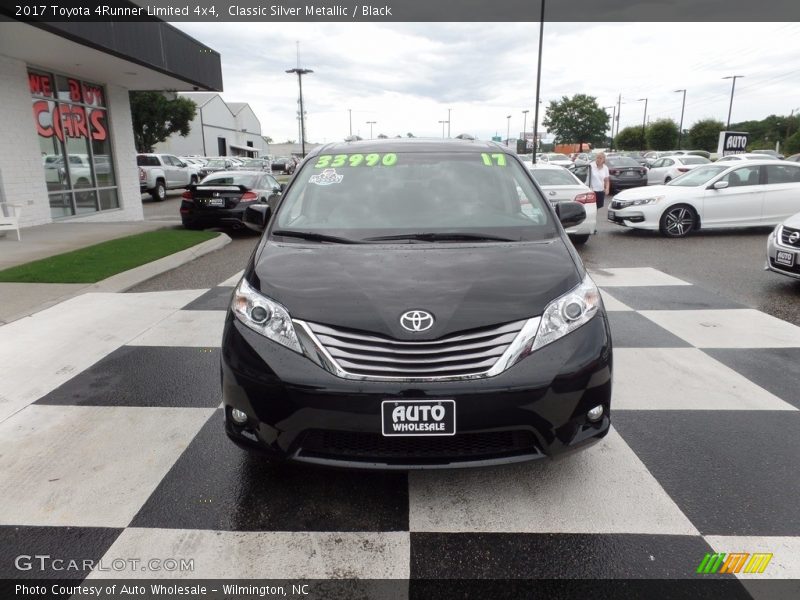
column 732, row 142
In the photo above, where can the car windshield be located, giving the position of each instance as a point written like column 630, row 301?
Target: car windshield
column 469, row 194
column 695, row 160
column 245, row 179
column 622, row 161
column 558, row 176
column 216, row 164
column 699, row 176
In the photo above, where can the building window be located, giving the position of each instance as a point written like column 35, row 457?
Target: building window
column 71, row 120
column 222, row 146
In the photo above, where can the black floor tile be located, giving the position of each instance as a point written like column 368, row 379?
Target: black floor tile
column 631, row 330
column 217, row 298
column 671, row 297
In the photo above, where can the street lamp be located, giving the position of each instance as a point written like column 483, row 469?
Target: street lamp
column 680, row 127
column 350, row 110
column 538, row 86
column 644, row 120
column 524, row 127
column 371, row 123
column 613, row 108
column 300, row 72
column 448, row 122
column 443, row 122
column 733, row 87
column 508, row 130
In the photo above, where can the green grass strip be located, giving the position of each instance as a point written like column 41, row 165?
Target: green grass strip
column 94, row 263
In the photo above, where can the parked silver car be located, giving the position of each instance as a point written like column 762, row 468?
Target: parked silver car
column 783, row 248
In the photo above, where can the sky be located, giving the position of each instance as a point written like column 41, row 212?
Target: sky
column 405, row 76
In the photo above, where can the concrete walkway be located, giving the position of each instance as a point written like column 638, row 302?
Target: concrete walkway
column 19, row 300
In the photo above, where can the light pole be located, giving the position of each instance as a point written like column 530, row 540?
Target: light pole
column 443, row 122
column 350, row 110
column 448, row 121
column 730, row 106
column 613, row 108
column 371, row 123
column 619, row 111
column 300, row 72
column 644, row 121
column 680, row 127
column 538, row 86
column 508, row 129
column 525, row 127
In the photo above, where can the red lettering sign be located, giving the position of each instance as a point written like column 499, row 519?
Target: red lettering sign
column 74, row 90
column 39, row 84
column 42, row 106
column 98, row 120
column 92, row 94
column 70, row 121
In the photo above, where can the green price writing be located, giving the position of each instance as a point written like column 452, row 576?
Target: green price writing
column 334, row 161
column 498, row 159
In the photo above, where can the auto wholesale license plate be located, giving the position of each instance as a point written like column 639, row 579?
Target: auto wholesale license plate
column 611, row 214
column 418, row 417
column 216, row 201
column 785, row 258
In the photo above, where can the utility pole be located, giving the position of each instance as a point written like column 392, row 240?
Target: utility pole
column 442, row 122
column 644, row 121
column 680, row 127
column 350, row 110
column 300, row 72
column 525, row 127
column 448, row 121
column 619, row 112
column 730, row 106
column 508, row 130
column 613, row 108
column 538, row 86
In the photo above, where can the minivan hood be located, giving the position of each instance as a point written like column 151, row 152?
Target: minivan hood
column 368, row 287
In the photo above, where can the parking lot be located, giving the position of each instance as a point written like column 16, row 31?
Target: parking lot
column 116, row 448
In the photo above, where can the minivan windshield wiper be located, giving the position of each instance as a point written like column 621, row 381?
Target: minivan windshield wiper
column 313, row 236
column 437, row 237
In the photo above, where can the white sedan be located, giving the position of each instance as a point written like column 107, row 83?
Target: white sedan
column 748, row 193
column 559, row 185
column 668, row 168
column 739, row 157
column 554, row 158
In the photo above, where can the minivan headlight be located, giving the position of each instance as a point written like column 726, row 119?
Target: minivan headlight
column 264, row 316
column 565, row 314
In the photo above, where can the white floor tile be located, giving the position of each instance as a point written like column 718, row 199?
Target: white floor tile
column 40, row 352
column 633, row 276
column 735, row 328
column 265, row 555
column 785, row 561
column 603, row 489
column 232, row 281
column 88, row 466
column 611, row 303
column 191, row 328
column 683, row 379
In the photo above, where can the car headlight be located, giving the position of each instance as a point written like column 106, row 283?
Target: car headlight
column 562, row 316
column 774, row 234
column 565, row 314
column 643, row 201
column 264, row 316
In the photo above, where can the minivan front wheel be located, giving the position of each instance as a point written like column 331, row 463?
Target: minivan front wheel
column 678, row 221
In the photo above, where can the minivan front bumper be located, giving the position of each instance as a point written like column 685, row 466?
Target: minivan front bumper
column 298, row 411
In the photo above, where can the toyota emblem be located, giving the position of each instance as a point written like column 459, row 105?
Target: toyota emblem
column 794, row 237
column 416, row 321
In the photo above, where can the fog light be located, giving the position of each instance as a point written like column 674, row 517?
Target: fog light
column 240, row 418
column 596, row 413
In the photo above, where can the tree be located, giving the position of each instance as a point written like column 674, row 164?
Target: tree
column 155, row 118
column 382, row 136
column 704, row 135
column 268, row 139
column 629, row 138
column 410, row 135
column 662, row 135
column 576, row 120
column 792, row 144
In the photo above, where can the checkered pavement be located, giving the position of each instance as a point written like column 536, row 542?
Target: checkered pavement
column 111, row 445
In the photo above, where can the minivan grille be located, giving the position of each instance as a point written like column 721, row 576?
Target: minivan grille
column 459, row 447
column 786, row 232
column 465, row 353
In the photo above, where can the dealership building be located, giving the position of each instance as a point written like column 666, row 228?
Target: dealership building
column 68, row 152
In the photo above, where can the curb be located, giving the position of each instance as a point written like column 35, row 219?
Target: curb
column 127, row 279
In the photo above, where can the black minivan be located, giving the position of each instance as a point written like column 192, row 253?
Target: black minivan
column 415, row 304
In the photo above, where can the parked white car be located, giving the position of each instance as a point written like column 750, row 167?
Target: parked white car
column 554, row 158
column 665, row 169
column 740, row 194
column 783, row 248
column 559, row 185
column 739, row 157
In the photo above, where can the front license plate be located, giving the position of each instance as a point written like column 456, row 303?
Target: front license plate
column 611, row 214
column 785, row 258
column 418, row 417
column 216, row 202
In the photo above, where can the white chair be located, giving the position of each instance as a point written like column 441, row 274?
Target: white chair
column 9, row 217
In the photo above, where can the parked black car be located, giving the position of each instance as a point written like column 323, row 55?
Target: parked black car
column 221, row 198
column 415, row 304
column 284, row 164
column 623, row 172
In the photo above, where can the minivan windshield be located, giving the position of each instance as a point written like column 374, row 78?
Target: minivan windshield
column 415, row 195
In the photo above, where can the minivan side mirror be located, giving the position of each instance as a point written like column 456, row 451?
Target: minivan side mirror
column 720, row 185
column 570, row 213
column 257, row 217
column 283, row 187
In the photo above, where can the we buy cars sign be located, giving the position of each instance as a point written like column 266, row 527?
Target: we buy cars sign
column 732, row 142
